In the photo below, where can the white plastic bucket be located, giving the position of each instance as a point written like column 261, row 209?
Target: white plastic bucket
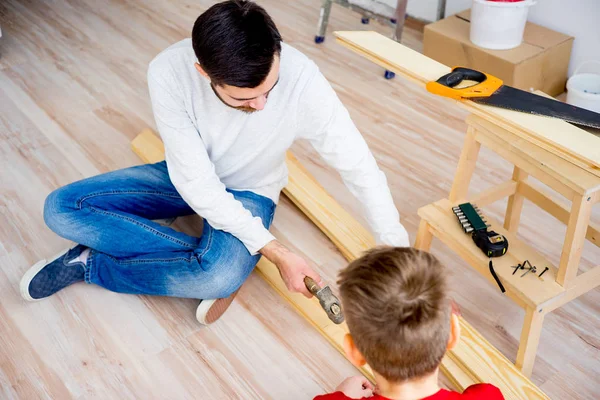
column 498, row 25
column 583, row 90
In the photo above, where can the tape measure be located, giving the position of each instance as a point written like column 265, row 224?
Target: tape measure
column 491, row 243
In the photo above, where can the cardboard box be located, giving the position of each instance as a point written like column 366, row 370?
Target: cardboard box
column 541, row 62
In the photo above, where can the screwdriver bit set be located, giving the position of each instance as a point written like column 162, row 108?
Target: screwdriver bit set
column 472, row 221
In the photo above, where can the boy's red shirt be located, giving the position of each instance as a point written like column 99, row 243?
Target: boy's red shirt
column 479, row 391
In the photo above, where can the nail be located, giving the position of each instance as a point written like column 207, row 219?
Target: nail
column 517, row 267
column 532, row 269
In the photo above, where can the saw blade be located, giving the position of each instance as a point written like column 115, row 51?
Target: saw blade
column 519, row 100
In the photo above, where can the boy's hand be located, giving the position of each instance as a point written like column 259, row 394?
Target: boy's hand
column 356, row 387
column 292, row 267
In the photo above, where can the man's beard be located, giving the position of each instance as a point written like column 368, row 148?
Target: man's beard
column 246, row 109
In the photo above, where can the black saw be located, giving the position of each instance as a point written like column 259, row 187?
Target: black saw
column 491, row 91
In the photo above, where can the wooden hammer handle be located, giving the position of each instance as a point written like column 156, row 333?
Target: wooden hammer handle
column 311, row 285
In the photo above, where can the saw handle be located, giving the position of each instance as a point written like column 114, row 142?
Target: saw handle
column 445, row 86
column 460, row 74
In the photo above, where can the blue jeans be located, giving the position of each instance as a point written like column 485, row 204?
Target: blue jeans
column 112, row 214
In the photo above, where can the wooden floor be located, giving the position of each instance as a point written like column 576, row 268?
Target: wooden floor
column 73, row 94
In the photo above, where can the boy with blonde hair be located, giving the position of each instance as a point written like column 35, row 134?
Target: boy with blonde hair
column 398, row 311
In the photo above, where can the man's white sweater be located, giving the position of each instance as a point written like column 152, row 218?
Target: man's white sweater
column 210, row 147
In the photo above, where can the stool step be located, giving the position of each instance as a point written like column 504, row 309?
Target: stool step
column 529, row 290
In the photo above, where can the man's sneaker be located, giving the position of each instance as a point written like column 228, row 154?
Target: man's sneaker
column 211, row 310
column 44, row 279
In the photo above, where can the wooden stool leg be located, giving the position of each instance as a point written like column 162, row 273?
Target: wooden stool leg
column 530, row 338
column 581, row 210
column 424, row 237
column 515, row 203
column 466, row 167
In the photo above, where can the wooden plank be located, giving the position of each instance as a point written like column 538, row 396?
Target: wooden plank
column 530, row 338
column 494, row 193
column 543, row 162
column 424, row 236
column 532, row 166
column 556, row 208
column 466, row 166
column 321, row 207
column 566, row 140
column 459, row 376
column 595, row 197
column 493, row 366
column 515, row 203
column 582, row 284
column 148, row 146
column 576, row 229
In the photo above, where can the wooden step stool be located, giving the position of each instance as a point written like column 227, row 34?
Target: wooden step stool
column 537, row 295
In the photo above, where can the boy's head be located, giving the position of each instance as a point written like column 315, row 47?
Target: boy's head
column 397, row 308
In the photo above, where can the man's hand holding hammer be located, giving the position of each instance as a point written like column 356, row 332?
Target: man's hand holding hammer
column 292, row 267
column 300, row 277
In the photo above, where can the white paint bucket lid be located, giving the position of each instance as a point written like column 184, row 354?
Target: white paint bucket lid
column 583, row 89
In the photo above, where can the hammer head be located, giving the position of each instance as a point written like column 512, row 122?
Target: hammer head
column 330, row 304
column 327, row 299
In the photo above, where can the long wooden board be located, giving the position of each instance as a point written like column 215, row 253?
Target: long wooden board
column 474, row 360
column 566, row 140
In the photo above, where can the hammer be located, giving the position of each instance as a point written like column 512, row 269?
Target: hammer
column 328, row 301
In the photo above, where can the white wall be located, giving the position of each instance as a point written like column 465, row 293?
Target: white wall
column 577, row 18
column 580, row 19
column 454, row 6
column 423, row 9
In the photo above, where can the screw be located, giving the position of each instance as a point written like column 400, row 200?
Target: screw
column 545, row 269
column 532, row 269
column 517, row 267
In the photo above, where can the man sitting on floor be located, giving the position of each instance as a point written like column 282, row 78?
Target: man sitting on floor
column 225, row 148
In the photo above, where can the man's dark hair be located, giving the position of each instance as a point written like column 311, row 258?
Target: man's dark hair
column 236, row 42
